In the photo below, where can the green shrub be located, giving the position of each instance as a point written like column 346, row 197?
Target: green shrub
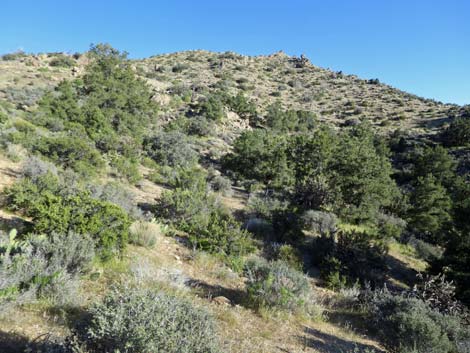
column 171, row 149
column 212, row 108
column 410, row 325
column 126, row 167
column 239, row 104
column 287, row 254
column 390, row 227
column 51, row 212
column 354, row 256
column 221, row 184
column 145, row 321
column 261, row 155
column 71, row 152
column 200, row 126
column 208, row 225
column 457, row 133
column 62, row 61
column 289, row 120
column 13, row 56
column 275, row 284
column 179, row 68
column 265, row 206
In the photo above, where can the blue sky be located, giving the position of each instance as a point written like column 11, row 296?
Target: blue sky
column 419, row 46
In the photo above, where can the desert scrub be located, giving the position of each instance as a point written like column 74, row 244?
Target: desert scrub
column 407, row 324
column 42, row 266
column 146, row 321
column 275, row 284
column 144, row 233
column 78, row 212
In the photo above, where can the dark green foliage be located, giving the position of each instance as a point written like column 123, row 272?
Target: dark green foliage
column 362, row 176
column 179, row 68
column 105, row 222
column 285, row 121
column 410, row 325
column 353, row 256
column 212, row 108
column 275, row 284
column 13, row 56
column 60, row 106
column 431, row 208
column 436, row 161
column 350, row 172
column 70, row 152
column 457, row 133
column 262, row 156
column 209, row 226
column 146, row 321
column 239, row 104
column 62, row 61
column 52, row 212
column 311, row 156
column 456, row 263
column 115, row 106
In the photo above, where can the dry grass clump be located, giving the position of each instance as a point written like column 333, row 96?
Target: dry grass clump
column 145, row 233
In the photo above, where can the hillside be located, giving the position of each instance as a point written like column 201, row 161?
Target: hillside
column 333, row 96
column 271, row 205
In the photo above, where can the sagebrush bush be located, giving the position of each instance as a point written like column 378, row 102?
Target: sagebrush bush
column 43, row 266
column 390, row 226
column 135, row 320
column 426, row 250
column 171, row 148
column 275, row 284
column 221, row 184
column 200, row 126
column 116, row 193
column 259, row 227
column 319, row 222
column 35, row 167
column 265, row 206
column 410, row 325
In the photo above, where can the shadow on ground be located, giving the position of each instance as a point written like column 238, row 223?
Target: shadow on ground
column 9, row 223
column 400, row 271
column 325, row 343
column 235, row 296
column 11, row 342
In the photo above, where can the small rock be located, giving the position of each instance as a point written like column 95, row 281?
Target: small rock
column 221, row 300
